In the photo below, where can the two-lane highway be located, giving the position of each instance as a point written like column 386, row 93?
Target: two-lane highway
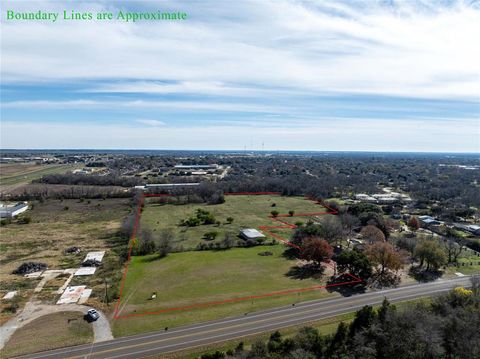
column 181, row 338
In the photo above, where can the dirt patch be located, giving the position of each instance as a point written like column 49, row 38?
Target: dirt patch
column 64, row 329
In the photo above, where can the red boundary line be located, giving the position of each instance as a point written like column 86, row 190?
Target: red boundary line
column 231, row 300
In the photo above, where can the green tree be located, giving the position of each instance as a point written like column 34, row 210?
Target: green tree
column 338, row 344
column 354, row 262
column 210, row 236
column 383, row 311
column 430, row 252
column 275, row 344
column 259, row 350
column 363, row 319
column 309, row 340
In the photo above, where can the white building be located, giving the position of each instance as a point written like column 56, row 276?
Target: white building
column 197, row 167
column 251, row 233
column 12, row 210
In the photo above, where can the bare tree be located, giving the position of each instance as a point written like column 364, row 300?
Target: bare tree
column 384, row 255
column 331, row 229
column 453, row 248
column 372, row 234
column 164, row 242
column 349, row 223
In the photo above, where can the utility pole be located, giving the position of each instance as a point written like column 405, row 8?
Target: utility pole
column 106, row 290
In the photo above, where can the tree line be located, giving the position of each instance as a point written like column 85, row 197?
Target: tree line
column 448, row 327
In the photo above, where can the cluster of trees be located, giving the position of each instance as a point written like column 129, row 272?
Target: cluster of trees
column 315, row 242
column 354, row 262
column 433, row 179
column 436, row 181
column 148, row 242
column 432, row 253
column 201, row 217
column 447, row 328
column 41, row 192
column 206, row 192
column 89, row 180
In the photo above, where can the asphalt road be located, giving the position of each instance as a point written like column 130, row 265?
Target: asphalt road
column 181, row 338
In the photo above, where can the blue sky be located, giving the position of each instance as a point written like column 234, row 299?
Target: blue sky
column 282, row 74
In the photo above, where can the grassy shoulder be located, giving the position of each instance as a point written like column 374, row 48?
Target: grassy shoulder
column 183, row 279
column 64, row 329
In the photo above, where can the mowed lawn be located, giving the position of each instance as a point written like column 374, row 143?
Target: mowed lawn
column 187, row 278
column 247, row 212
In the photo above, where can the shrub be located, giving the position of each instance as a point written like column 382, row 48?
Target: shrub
column 210, row 236
column 12, row 306
column 25, row 220
column 265, row 254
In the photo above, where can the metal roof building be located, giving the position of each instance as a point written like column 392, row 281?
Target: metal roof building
column 251, row 233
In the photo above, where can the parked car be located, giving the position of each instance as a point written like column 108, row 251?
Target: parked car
column 93, row 315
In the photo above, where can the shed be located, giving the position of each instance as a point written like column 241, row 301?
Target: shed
column 251, row 233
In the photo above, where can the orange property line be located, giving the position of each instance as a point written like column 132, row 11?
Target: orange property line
column 231, row 300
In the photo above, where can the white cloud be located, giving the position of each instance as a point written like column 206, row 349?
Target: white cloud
column 139, row 104
column 345, row 135
column 153, row 123
column 402, row 49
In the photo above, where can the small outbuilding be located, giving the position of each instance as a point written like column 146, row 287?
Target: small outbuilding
column 12, row 210
column 251, row 233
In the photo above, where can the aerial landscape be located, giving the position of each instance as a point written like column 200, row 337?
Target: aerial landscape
column 262, row 179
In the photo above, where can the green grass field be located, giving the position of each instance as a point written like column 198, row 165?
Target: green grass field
column 247, row 211
column 187, row 278
column 14, row 174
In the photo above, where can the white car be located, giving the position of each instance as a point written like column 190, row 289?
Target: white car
column 93, row 314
